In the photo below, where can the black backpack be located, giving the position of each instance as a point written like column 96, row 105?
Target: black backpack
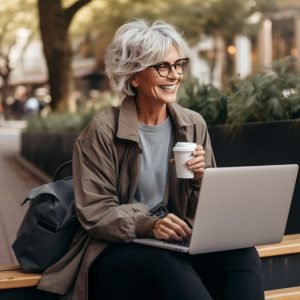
column 49, row 224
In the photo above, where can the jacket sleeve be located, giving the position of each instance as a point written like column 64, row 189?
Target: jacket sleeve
column 95, row 184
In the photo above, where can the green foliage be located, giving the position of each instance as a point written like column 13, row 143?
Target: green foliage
column 73, row 122
column 268, row 96
column 205, row 99
column 60, row 121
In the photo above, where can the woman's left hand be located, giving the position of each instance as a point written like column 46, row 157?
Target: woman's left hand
column 197, row 163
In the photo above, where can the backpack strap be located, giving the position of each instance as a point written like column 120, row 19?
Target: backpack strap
column 60, row 168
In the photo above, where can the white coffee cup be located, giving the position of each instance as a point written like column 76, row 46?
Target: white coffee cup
column 183, row 152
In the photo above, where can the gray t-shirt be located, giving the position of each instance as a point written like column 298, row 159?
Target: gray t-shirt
column 155, row 143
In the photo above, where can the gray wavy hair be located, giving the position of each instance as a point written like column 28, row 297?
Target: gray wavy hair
column 137, row 45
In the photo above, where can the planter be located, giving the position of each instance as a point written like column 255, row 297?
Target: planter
column 261, row 144
column 47, row 150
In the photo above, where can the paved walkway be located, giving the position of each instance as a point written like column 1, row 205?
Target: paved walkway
column 15, row 183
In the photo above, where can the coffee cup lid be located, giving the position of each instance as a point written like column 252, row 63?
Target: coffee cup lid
column 184, row 146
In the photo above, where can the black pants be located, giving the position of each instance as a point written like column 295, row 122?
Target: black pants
column 131, row 271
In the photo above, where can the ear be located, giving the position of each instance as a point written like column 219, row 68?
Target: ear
column 134, row 82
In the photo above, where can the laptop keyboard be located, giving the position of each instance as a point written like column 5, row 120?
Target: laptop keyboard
column 183, row 244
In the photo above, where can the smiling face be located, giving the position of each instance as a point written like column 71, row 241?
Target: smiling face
column 152, row 89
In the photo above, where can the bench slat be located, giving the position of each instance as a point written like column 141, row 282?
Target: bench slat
column 12, row 276
column 289, row 245
column 10, row 267
column 292, row 293
column 17, row 279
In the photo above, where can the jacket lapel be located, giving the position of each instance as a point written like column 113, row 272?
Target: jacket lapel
column 128, row 121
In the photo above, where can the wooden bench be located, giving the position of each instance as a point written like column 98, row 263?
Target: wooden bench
column 13, row 278
column 281, row 267
column 289, row 245
column 292, row 293
column 15, row 284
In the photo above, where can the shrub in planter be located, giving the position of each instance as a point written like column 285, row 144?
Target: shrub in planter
column 205, row 99
column 269, row 96
column 73, row 122
column 60, row 121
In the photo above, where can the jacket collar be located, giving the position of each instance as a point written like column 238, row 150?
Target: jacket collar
column 179, row 116
column 128, row 120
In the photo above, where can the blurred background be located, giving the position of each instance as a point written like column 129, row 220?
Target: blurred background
column 51, row 52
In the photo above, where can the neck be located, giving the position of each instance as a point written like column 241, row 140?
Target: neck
column 151, row 115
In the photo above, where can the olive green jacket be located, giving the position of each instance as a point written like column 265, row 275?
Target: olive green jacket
column 106, row 163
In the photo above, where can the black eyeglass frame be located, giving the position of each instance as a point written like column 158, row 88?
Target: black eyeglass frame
column 169, row 66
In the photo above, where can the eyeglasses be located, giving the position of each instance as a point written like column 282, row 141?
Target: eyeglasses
column 164, row 68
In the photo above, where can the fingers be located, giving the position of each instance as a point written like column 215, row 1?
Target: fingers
column 172, row 161
column 197, row 164
column 171, row 228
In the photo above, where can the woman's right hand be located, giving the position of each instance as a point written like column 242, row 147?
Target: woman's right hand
column 171, row 228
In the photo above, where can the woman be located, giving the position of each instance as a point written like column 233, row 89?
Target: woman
column 124, row 177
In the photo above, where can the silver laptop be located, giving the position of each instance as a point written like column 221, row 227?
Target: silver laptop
column 239, row 207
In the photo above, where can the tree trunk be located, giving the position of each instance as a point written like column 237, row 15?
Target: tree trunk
column 54, row 27
column 5, row 90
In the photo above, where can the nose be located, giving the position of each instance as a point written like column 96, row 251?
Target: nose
column 173, row 73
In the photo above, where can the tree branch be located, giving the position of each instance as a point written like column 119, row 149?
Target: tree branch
column 5, row 69
column 72, row 10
